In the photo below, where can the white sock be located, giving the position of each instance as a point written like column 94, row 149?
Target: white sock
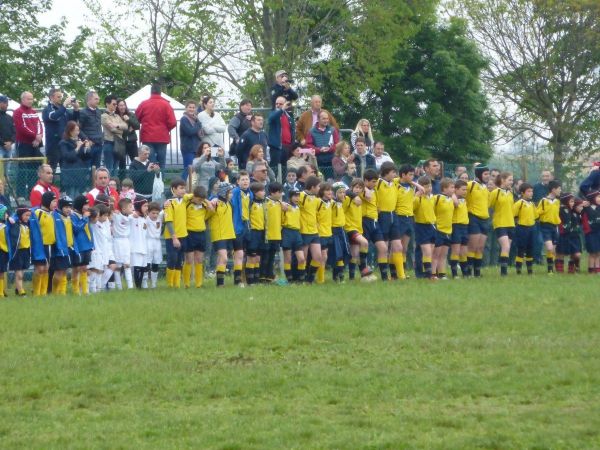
column 153, row 278
column 118, row 281
column 128, row 277
column 104, row 279
column 91, row 282
column 145, row 280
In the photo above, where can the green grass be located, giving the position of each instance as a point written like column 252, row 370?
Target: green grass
column 492, row 363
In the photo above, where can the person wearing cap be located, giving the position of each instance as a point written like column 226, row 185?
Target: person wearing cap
column 222, row 233
column 7, row 129
column 46, row 234
column 569, row 231
column 310, row 118
column 590, row 219
column 85, row 244
column 477, row 205
column 282, row 88
column 20, row 242
column 55, row 116
column 43, row 184
column 4, row 247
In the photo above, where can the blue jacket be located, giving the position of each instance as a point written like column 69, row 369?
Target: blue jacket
column 248, row 140
column 275, row 127
column 55, row 121
column 80, row 237
column 37, row 244
column 13, row 236
column 591, row 183
column 239, row 225
column 6, row 231
column 62, row 249
column 188, row 135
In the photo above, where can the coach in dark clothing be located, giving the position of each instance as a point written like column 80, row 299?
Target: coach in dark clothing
column 91, row 127
column 7, row 128
column 55, row 116
column 254, row 135
column 591, row 183
column 282, row 88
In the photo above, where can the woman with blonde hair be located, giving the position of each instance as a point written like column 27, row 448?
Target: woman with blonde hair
column 363, row 129
column 257, row 154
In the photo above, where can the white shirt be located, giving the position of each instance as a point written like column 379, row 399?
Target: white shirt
column 138, row 235
column 103, row 241
column 153, row 228
column 120, row 225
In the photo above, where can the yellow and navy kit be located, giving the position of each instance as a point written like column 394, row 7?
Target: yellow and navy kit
column 525, row 213
column 3, row 243
column 404, row 199
column 325, row 218
column 477, row 199
column 195, row 214
column 257, row 215
column 502, row 201
column 444, row 211
column 548, row 210
column 424, row 210
column 461, row 213
column 353, row 213
column 245, row 205
column 25, row 238
column 291, row 218
column 387, row 195
column 338, row 216
column 274, row 215
column 221, row 222
column 68, row 230
column 176, row 214
column 308, row 213
column 369, row 205
column 46, row 221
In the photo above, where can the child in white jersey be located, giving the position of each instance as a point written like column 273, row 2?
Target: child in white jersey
column 154, row 245
column 121, row 230
column 102, row 264
column 138, row 239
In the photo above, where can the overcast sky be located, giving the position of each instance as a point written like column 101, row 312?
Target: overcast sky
column 74, row 10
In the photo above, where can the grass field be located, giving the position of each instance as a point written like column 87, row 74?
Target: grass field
column 488, row 363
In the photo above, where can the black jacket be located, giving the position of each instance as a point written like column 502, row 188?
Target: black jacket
column 7, row 128
column 279, row 91
column 90, row 125
column 74, row 168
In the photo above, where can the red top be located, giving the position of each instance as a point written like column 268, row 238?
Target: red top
column 286, row 130
column 27, row 124
column 157, row 119
column 35, row 197
column 91, row 196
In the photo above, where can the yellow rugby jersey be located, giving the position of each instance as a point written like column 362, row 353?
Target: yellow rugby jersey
column 291, row 218
column 25, row 239
column 424, row 209
column 46, row 222
column 195, row 215
column 221, row 222
column 325, row 218
column 548, row 210
column 405, row 199
column 477, row 199
column 245, row 205
column 502, row 201
column 339, row 218
column 257, row 215
column 308, row 213
column 387, row 195
column 525, row 212
column 444, row 211
column 3, row 243
column 68, row 230
column 274, row 214
column 353, row 213
column 461, row 213
column 176, row 214
column 369, row 206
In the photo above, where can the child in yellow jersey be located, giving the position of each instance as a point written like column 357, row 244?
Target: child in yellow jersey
column 460, row 231
column 291, row 239
column 425, row 224
column 20, row 241
column 477, row 204
column 525, row 214
column 371, row 229
column 274, row 208
column 501, row 200
column 444, row 204
column 222, row 233
column 311, row 243
column 195, row 242
column 65, row 248
column 4, row 241
column 340, row 246
column 359, row 246
column 255, row 239
column 548, row 210
column 41, row 266
column 175, row 233
column 325, row 219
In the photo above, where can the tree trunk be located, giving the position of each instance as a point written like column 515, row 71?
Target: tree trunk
column 559, row 151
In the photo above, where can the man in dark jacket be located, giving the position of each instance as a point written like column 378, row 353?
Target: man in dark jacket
column 282, row 133
column 239, row 124
column 362, row 159
column 254, row 135
column 282, row 88
column 55, row 116
column 190, row 130
column 592, row 181
column 7, row 129
column 91, row 127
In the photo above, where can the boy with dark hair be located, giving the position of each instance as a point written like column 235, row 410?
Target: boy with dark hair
column 240, row 201
column 154, row 244
column 425, row 224
column 404, row 221
column 460, row 231
column 291, row 240
column 273, row 215
column 20, row 243
column 175, row 233
column 85, row 244
column 371, row 229
column 386, row 191
column 255, row 239
column 444, row 211
column 525, row 214
column 196, row 210
column 44, row 224
column 569, row 241
column 65, row 248
column 591, row 228
column 477, row 204
column 121, row 227
column 548, row 210
column 139, row 242
column 222, row 233
column 311, row 243
column 324, row 220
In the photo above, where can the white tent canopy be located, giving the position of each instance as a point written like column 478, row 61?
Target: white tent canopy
column 134, row 100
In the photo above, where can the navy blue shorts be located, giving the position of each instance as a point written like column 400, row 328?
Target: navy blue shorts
column 48, row 253
column 3, row 261
column 174, row 255
column 352, row 235
column 21, row 259
column 195, row 241
column 442, row 239
column 240, row 239
column 505, row 231
column 255, row 242
column 592, row 242
column 339, row 249
column 478, row 226
column 568, row 244
column 524, row 240
column 385, row 223
column 61, row 262
column 291, row 240
column 223, row 244
column 549, row 232
column 424, row 233
column 404, row 225
column 308, row 239
column 326, row 241
column 460, row 233
column 371, row 230
column 82, row 259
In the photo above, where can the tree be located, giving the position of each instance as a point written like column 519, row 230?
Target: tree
column 544, row 69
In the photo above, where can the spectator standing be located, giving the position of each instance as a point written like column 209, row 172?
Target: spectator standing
column 363, row 129
column 113, row 126
column 591, row 182
column 129, row 135
column 282, row 88
column 433, row 169
column 28, row 127
column 90, row 124
column 341, row 159
column 7, row 129
column 251, row 137
column 206, row 166
column 213, row 124
column 101, row 187
column 323, row 138
column 55, row 116
column 282, row 133
column 190, row 132
column 43, row 185
column 380, row 154
column 157, row 119
column 239, row 123
column 363, row 159
column 308, row 119
column 74, row 165
column 142, row 172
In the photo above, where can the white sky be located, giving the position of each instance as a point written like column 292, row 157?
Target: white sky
column 75, row 11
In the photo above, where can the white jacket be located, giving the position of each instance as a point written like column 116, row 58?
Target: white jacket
column 213, row 128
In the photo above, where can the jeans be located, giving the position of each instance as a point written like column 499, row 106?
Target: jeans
column 108, row 156
column 188, row 159
column 96, row 152
column 324, row 160
column 158, row 153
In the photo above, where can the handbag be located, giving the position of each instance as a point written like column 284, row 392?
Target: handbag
column 119, row 147
column 158, row 189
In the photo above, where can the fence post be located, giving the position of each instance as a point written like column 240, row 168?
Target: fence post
column 93, row 180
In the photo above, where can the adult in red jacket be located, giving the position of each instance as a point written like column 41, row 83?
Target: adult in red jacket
column 43, row 185
column 157, row 120
column 29, row 138
column 101, row 187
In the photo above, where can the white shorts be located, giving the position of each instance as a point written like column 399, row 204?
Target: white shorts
column 154, row 253
column 122, row 250
column 139, row 260
column 96, row 261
